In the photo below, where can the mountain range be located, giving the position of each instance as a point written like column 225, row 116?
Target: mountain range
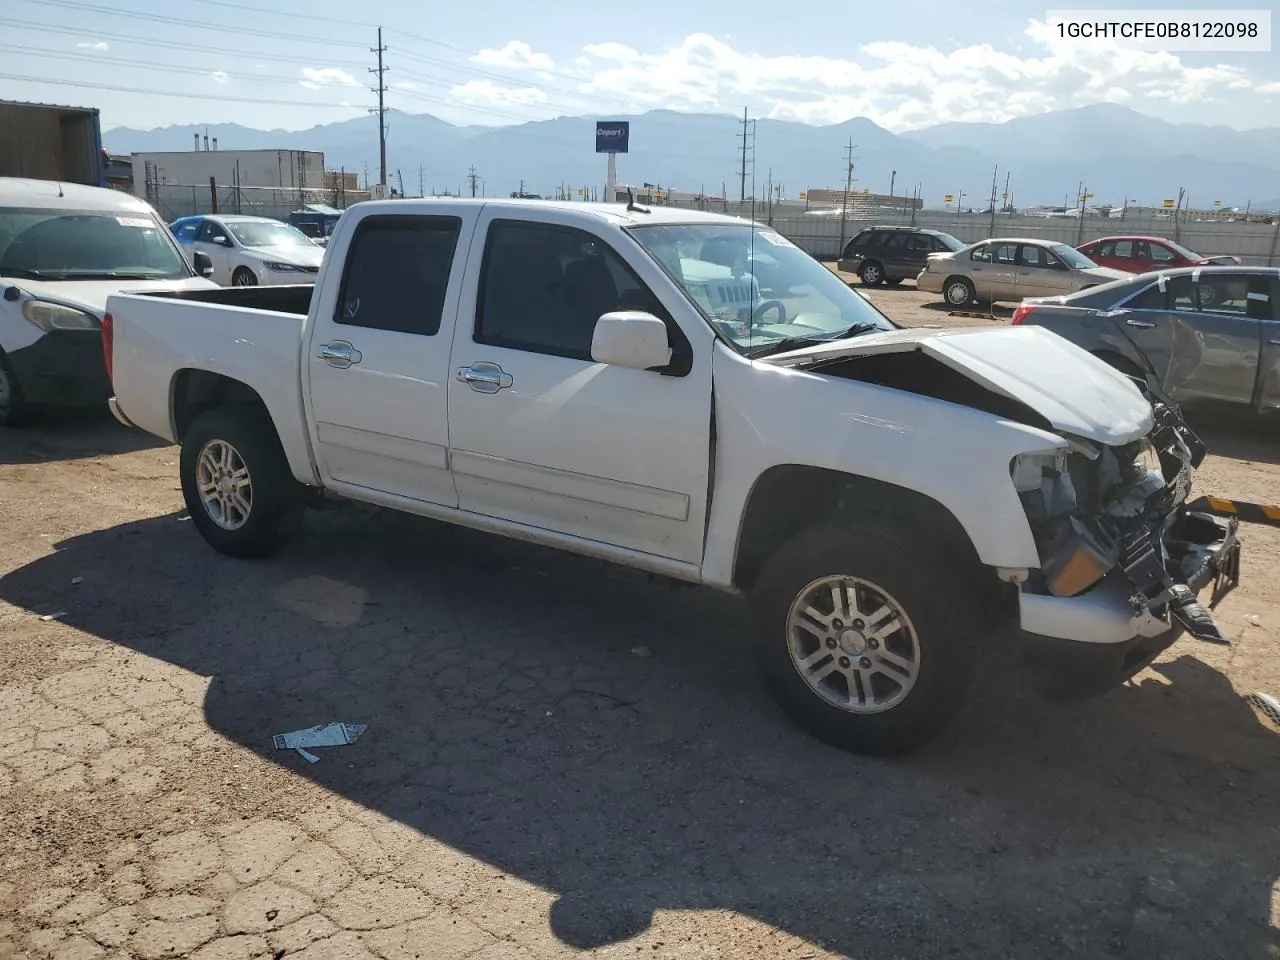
column 1116, row 152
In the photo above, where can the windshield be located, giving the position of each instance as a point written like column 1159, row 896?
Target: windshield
column 948, row 241
column 86, row 245
column 1180, row 250
column 758, row 289
column 1072, row 257
column 252, row 233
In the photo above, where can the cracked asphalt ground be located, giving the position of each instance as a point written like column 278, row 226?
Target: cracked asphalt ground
column 529, row 787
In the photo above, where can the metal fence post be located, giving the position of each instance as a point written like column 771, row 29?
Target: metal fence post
column 1275, row 235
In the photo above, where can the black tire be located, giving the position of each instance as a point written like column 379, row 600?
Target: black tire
column 871, row 274
column 942, row 615
column 244, row 277
column 954, row 284
column 276, row 503
column 14, row 411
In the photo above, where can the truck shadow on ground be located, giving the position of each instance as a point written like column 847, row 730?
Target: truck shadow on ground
column 71, row 434
column 511, row 718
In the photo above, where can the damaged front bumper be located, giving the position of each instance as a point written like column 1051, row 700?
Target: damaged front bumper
column 1075, row 647
column 1164, row 555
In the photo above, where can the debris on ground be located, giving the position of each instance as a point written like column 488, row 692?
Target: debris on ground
column 54, row 616
column 321, row 735
column 642, row 652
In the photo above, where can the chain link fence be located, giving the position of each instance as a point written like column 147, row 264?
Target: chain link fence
column 173, row 200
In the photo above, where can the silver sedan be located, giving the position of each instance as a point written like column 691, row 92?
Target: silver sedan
column 1204, row 333
column 1010, row 270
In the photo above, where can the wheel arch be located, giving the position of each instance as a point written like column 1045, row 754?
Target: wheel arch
column 786, row 499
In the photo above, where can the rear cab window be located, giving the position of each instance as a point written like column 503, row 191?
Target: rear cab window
column 397, row 273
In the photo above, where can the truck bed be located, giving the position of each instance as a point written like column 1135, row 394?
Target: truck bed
column 248, row 334
column 291, row 298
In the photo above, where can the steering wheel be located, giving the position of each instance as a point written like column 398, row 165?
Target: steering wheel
column 763, row 307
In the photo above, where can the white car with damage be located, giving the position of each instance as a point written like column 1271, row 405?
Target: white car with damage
column 622, row 382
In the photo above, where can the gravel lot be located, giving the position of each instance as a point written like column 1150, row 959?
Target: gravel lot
column 531, row 787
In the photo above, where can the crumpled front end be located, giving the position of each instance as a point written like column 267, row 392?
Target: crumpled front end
column 1122, row 558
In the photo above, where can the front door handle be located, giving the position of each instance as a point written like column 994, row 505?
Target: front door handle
column 485, row 377
column 1141, row 324
column 339, row 354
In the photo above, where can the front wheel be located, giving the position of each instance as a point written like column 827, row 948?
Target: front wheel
column 244, row 277
column 871, row 273
column 237, row 484
column 13, row 409
column 864, row 647
column 959, row 292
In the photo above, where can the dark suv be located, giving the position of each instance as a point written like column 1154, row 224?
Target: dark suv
column 892, row 254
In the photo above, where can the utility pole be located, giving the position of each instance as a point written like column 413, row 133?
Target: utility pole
column 381, row 90
column 1080, row 210
column 472, row 177
column 848, row 185
column 992, row 230
column 421, row 182
column 1006, row 206
column 748, row 136
column 1176, row 210
column 893, row 175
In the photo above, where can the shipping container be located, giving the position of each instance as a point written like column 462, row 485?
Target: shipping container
column 45, row 142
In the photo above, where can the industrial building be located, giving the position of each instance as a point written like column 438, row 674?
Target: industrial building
column 208, row 180
column 48, row 142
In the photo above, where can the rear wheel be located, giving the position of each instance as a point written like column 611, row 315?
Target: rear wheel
column 237, row 484
column 871, row 273
column 244, row 277
column 860, row 644
column 13, row 409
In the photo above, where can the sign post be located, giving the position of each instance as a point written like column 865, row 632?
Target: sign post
column 612, row 138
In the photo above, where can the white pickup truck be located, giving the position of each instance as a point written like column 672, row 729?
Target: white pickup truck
column 692, row 395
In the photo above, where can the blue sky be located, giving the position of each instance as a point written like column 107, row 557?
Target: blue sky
column 294, row 64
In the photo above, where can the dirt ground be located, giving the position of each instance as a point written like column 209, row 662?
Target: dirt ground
column 531, row 787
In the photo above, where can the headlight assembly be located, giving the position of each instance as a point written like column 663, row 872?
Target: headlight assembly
column 278, row 267
column 53, row 316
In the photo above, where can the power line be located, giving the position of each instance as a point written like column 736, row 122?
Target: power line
column 174, row 93
column 180, row 21
column 47, row 54
column 174, row 45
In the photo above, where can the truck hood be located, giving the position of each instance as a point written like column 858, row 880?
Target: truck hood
column 1075, row 392
column 91, row 295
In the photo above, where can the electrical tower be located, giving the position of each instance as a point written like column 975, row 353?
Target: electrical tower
column 381, row 90
column 473, row 178
column 748, row 138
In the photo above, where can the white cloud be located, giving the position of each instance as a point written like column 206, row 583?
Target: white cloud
column 262, row 68
column 479, row 92
column 314, row 79
column 516, row 55
column 1268, row 88
column 90, row 45
column 405, row 85
column 899, row 85
column 219, row 77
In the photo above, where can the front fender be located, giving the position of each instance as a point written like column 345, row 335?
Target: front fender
column 768, row 416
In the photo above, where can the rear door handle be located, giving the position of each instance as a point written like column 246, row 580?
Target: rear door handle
column 1143, row 324
column 485, row 377
column 339, row 354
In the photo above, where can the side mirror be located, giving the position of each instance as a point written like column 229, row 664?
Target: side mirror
column 631, row 338
column 203, row 263
column 221, row 240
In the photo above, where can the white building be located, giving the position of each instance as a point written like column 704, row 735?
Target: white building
column 279, row 169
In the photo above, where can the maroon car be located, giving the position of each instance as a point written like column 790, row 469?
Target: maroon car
column 1141, row 254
